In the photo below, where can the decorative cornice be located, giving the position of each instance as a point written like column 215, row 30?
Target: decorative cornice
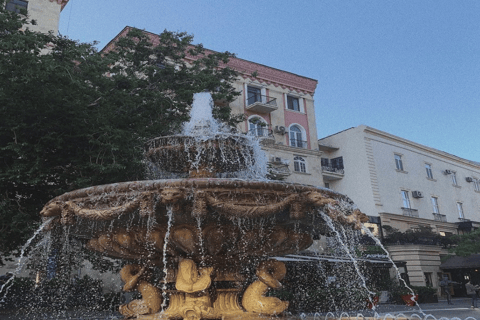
column 61, row 2
column 418, row 146
column 264, row 74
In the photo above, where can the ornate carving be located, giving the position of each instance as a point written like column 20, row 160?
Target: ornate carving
column 134, row 277
column 251, row 210
column 190, row 279
column 197, row 302
column 136, row 243
column 269, row 274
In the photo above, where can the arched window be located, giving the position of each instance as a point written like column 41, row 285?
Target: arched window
column 296, row 137
column 257, row 126
column 299, row 164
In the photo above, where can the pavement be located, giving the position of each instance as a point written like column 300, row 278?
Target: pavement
column 460, row 309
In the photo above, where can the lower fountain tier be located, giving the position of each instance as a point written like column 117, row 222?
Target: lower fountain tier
column 214, row 219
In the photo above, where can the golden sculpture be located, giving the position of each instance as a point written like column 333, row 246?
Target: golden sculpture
column 191, row 280
column 134, row 277
column 269, row 274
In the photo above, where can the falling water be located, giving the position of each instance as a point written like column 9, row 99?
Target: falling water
column 164, row 258
column 397, row 272
column 202, row 123
column 21, row 262
column 332, row 227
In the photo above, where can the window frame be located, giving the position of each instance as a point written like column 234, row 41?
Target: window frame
column 434, row 201
column 297, row 141
column 398, row 162
column 454, row 178
column 255, row 128
column 291, row 98
column 257, row 94
column 476, row 185
column 407, row 204
column 16, row 5
column 299, row 163
column 461, row 212
column 428, row 169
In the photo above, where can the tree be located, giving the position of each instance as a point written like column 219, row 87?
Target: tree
column 467, row 244
column 71, row 117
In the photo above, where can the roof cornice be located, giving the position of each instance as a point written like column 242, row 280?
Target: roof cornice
column 419, row 146
column 265, row 74
column 61, row 2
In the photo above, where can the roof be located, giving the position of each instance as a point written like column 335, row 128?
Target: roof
column 457, row 262
column 246, row 68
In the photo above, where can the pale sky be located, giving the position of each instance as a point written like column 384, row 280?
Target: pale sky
column 407, row 67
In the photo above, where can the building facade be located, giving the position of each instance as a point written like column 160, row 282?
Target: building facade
column 46, row 13
column 404, row 185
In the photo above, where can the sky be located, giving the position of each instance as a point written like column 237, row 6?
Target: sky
column 407, row 67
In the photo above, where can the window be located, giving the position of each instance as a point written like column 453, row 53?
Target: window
column 337, row 163
column 398, row 162
column 296, row 137
column 460, row 210
column 16, row 5
column 428, row 279
column 254, row 94
column 435, row 205
column 257, row 126
column 454, row 178
column 327, row 185
column 476, row 184
column 299, row 164
column 406, row 199
column 428, row 168
column 293, row 103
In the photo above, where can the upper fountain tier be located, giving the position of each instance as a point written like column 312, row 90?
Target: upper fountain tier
column 205, row 148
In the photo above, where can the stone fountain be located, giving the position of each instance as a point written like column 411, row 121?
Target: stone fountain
column 214, row 217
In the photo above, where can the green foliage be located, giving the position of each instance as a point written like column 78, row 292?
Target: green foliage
column 418, row 235
column 65, row 124
column 466, row 244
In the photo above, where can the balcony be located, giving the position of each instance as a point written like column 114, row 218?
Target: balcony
column 440, row 217
column 261, row 104
column 330, row 173
column 409, row 212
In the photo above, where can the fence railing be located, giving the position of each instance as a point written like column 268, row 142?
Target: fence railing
column 261, row 99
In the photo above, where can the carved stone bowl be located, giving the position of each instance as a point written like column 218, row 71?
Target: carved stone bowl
column 200, row 158
column 209, row 220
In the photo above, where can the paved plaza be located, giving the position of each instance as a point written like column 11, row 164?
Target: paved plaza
column 459, row 310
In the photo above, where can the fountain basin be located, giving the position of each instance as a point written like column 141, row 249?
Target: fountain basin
column 211, row 220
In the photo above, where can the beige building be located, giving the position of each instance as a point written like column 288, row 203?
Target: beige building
column 46, row 13
column 406, row 185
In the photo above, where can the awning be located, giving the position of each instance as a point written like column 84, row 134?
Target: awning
column 305, row 258
column 456, row 262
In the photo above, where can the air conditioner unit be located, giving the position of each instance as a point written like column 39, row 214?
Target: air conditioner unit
column 447, row 171
column 280, row 130
column 417, row 194
column 469, row 179
column 276, row 160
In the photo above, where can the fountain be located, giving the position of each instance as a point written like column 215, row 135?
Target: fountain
column 208, row 215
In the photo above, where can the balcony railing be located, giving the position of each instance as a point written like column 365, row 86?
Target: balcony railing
column 332, row 169
column 440, row 217
column 262, row 104
column 298, row 143
column 409, row 212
